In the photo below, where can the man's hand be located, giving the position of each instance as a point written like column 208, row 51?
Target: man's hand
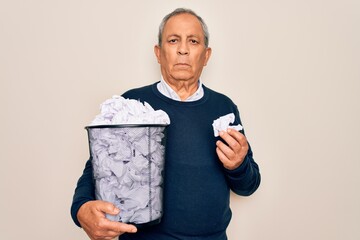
column 232, row 154
column 91, row 216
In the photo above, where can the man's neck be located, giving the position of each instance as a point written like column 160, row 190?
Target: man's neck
column 183, row 88
column 170, row 92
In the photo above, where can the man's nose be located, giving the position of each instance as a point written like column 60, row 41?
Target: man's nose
column 183, row 49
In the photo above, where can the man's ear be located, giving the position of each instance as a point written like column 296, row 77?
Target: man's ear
column 157, row 50
column 207, row 55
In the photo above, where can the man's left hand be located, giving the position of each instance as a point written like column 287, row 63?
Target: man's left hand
column 232, row 154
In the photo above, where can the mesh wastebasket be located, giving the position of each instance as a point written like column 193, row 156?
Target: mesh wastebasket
column 128, row 169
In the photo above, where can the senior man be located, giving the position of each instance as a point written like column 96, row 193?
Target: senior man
column 200, row 169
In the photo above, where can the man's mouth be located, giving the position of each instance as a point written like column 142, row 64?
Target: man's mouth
column 182, row 65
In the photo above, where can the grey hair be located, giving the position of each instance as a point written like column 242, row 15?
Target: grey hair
column 181, row 11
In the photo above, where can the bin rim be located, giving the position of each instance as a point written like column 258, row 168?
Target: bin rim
column 125, row 125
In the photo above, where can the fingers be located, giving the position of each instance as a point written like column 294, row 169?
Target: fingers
column 107, row 229
column 234, row 151
column 122, row 227
column 227, row 160
column 91, row 216
column 107, row 207
column 234, row 139
column 235, row 142
column 118, row 227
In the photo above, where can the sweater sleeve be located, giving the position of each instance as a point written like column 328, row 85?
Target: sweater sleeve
column 84, row 192
column 245, row 179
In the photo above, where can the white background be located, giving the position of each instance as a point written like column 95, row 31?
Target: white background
column 292, row 67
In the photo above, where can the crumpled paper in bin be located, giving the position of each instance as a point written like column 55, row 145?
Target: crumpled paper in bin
column 119, row 110
column 128, row 162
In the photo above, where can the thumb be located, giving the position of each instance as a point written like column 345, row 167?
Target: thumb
column 109, row 208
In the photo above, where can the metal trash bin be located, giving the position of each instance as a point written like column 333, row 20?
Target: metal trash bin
column 128, row 168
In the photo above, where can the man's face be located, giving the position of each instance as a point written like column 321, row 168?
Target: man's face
column 183, row 54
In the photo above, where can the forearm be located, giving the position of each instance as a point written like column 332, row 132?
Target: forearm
column 84, row 191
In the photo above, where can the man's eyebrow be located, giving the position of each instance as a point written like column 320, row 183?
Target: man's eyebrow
column 173, row 35
column 189, row 36
column 193, row 36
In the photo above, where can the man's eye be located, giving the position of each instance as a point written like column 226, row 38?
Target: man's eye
column 172, row 40
column 194, row 41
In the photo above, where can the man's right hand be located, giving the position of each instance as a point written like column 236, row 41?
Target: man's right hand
column 91, row 216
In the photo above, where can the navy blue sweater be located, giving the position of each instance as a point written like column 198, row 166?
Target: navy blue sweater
column 196, row 186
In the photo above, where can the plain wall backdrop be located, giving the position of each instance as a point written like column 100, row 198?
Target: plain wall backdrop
column 292, row 67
